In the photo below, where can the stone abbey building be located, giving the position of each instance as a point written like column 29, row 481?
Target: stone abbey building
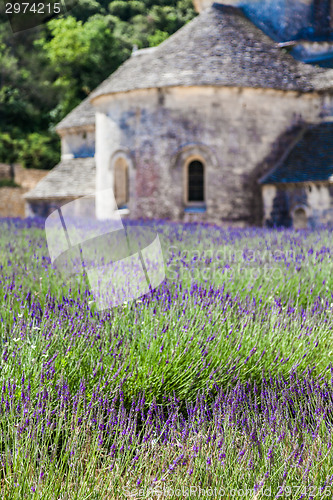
column 230, row 120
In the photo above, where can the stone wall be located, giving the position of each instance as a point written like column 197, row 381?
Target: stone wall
column 12, row 203
column 28, row 178
column 232, row 131
column 78, row 143
column 6, row 171
column 282, row 202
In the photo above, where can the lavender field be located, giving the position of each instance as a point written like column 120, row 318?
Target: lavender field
column 218, row 384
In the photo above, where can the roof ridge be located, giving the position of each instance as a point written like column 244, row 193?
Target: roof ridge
column 87, row 115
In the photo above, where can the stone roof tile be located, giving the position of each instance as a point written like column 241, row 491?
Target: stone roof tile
column 220, row 47
column 82, row 115
column 70, row 178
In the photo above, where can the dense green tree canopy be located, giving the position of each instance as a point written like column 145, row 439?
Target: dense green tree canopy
column 46, row 71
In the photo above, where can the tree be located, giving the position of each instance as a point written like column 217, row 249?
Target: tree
column 8, row 148
column 38, row 151
column 47, row 71
column 81, row 55
column 157, row 38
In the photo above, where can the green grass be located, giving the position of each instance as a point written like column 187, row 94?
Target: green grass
column 237, row 307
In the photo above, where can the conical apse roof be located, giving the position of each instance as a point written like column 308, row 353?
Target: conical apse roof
column 220, row 47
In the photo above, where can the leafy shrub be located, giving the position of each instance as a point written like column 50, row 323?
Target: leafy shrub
column 121, row 9
column 38, row 151
column 8, row 148
column 157, row 38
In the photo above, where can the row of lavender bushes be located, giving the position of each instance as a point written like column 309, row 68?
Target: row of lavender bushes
column 219, row 383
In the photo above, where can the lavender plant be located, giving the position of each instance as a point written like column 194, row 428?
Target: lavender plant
column 218, row 383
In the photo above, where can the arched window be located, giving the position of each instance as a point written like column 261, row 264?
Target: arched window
column 120, row 173
column 195, row 182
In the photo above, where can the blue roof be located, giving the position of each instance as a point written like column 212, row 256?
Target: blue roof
column 310, row 160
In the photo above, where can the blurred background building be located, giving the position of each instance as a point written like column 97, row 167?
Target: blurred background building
column 227, row 121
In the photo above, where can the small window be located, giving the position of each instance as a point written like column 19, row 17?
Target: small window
column 121, row 182
column 195, row 183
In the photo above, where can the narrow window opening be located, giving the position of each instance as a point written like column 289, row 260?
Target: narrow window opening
column 196, row 182
column 121, row 188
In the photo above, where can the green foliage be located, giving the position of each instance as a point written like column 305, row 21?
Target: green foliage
column 81, row 55
column 17, row 113
column 157, row 38
column 8, row 183
column 252, row 332
column 125, row 10
column 33, row 151
column 142, row 23
column 121, row 9
column 46, row 72
column 165, row 18
column 39, row 151
column 8, row 148
column 84, row 9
